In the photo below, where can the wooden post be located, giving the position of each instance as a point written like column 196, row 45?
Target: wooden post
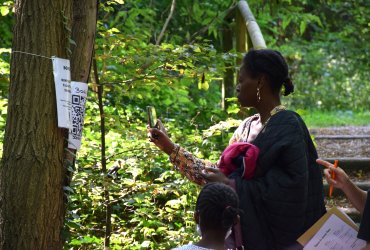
column 252, row 26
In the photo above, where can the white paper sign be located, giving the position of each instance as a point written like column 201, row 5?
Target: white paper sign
column 335, row 234
column 62, row 80
column 79, row 94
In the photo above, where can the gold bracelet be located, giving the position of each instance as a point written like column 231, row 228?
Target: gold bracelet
column 174, row 152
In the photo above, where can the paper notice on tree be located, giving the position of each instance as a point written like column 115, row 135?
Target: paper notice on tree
column 79, row 95
column 62, row 80
column 335, row 234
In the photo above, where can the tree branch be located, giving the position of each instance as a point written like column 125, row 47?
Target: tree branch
column 166, row 23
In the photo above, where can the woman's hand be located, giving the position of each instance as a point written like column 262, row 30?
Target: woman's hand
column 341, row 178
column 160, row 138
column 215, row 175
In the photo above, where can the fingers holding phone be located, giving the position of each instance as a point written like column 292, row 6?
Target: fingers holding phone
column 154, row 134
column 153, row 121
column 161, row 127
column 161, row 140
column 157, row 133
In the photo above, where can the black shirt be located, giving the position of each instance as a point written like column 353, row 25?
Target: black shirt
column 285, row 197
column 364, row 232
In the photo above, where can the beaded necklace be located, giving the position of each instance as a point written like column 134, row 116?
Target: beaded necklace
column 274, row 111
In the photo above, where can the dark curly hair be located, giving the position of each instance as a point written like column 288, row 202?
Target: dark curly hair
column 218, row 206
column 273, row 65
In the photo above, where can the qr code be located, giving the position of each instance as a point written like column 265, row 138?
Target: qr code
column 78, row 100
column 78, row 112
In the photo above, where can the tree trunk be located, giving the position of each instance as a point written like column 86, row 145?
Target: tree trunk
column 83, row 35
column 32, row 172
column 228, row 80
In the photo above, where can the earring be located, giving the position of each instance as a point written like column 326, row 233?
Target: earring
column 258, row 95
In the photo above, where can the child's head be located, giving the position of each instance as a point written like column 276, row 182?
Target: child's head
column 216, row 208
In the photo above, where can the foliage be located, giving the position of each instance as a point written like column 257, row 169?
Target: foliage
column 6, row 17
column 152, row 205
column 316, row 118
column 182, row 77
column 4, row 71
column 6, row 14
column 326, row 45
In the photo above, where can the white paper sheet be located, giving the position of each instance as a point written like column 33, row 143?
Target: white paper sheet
column 79, row 95
column 335, row 234
column 62, row 80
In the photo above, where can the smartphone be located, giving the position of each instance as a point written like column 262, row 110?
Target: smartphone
column 152, row 116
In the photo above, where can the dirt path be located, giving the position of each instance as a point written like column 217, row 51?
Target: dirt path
column 328, row 148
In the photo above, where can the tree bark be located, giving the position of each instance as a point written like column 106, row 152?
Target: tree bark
column 32, row 171
column 83, row 36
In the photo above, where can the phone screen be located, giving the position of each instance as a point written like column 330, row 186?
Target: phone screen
column 152, row 116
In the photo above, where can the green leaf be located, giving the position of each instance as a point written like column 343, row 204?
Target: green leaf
column 302, row 26
column 4, row 10
column 197, row 50
column 175, row 204
column 286, row 22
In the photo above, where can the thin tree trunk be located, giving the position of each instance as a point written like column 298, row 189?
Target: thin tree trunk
column 173, row 4
column 108, row 211
column 32, row 172
column 83, row 34
column 228, row 81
